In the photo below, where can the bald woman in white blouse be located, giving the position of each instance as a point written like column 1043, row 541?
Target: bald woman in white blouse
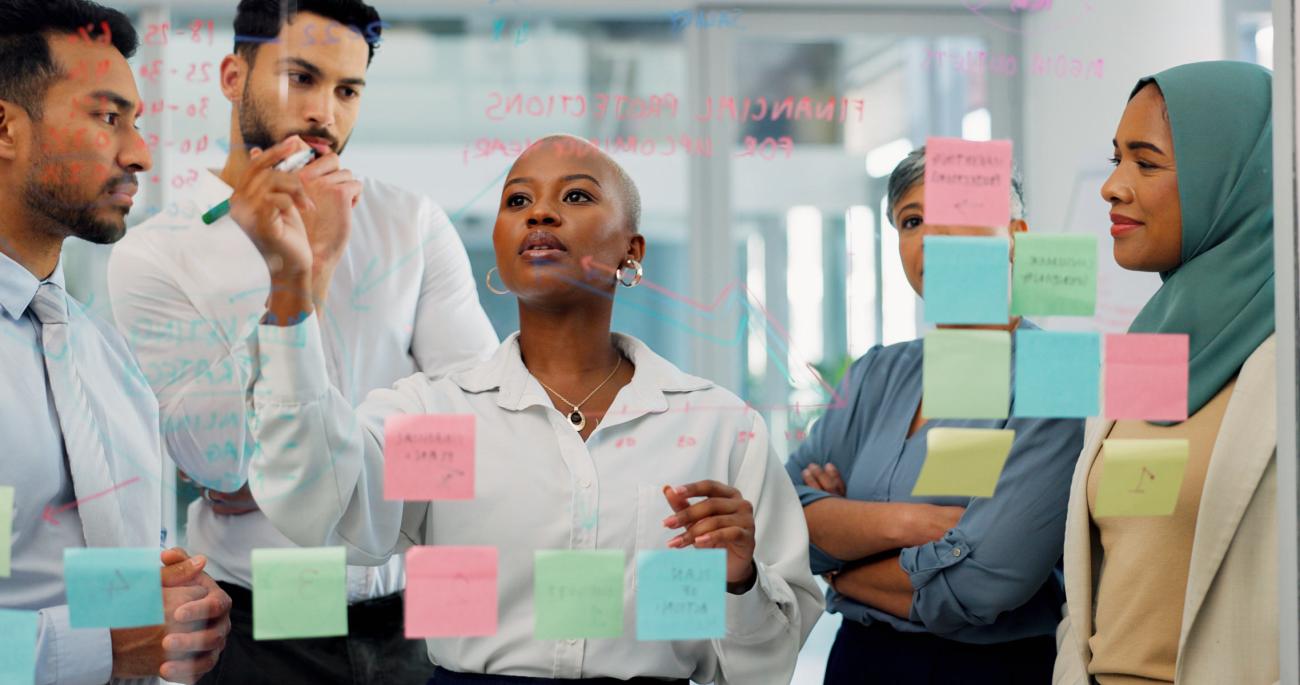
column 585, row 440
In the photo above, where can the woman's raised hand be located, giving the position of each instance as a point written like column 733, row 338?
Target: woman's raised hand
column 724, row 519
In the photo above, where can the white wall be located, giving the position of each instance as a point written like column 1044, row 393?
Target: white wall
column 1069, row 122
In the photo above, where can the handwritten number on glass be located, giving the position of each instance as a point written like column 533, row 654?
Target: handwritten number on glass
column 1145, row 474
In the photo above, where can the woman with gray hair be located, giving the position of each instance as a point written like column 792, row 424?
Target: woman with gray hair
column 932, row 589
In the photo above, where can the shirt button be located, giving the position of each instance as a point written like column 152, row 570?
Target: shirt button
column 572, row 642
column 956, row 551
column 584, row 483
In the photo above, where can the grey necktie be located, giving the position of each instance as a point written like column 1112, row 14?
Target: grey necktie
column 101, row 516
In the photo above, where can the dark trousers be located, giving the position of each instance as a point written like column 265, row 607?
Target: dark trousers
column 864, row 655
column 445, row 677
column 375, row 650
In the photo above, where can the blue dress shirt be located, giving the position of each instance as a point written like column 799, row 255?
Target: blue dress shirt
column 995, row 577
column 34, row 462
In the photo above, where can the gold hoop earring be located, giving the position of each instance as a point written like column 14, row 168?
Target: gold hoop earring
column 637, row 273
column 487, row 280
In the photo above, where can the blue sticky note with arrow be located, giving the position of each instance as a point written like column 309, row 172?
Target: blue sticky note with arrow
column 18, row 648
column 113, row 587
column 967, row 279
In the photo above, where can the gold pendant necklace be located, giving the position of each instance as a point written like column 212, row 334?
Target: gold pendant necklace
column 576, row 417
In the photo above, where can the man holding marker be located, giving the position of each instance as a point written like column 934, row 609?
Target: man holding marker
column 402, row 299
column 81, row 463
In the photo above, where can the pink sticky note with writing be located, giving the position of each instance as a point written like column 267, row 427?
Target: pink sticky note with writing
column 1146, row 376
column 451, row 592
column 967, row 182
column 429, row 457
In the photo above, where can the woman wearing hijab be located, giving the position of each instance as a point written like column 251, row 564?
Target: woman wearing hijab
column 934, row 590
column 1191, row 597
column 576, row 432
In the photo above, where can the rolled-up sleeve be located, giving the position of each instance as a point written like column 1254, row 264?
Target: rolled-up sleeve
column 1005, row 547
column 318, row 476
column 833, row 440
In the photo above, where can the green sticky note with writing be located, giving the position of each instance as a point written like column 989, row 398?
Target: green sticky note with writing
column 966, row 374
column 299, row 593
column 6, row 527
column 578, row 594
column 1054, row 275
column 963, row 462
column 1140, row 477
column 18, row 648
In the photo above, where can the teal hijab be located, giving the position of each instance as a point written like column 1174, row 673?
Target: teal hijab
column 1222, row 293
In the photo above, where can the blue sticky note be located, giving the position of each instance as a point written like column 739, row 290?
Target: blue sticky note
column 681, row 594
column 18, row 648
column 113, row 587
column 1058, row 375
column 967, row 279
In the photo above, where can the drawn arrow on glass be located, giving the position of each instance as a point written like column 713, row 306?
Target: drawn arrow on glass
column 51, row 512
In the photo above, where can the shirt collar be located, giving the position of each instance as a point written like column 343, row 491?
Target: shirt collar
column 518, row 390
column 18, row 285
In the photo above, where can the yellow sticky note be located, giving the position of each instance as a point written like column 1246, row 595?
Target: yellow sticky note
column 1140, row 477
column 6, row 527
column 963, row 462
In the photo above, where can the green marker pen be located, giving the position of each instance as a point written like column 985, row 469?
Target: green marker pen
column 293, row 162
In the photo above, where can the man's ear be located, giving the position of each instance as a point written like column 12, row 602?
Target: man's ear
column 14, row 126
column 234, row 73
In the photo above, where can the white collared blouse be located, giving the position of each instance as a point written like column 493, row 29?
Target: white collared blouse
column 539, row 486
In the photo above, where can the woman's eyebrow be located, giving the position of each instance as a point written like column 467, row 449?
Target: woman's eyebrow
column 576, row 177
column 1139, row 145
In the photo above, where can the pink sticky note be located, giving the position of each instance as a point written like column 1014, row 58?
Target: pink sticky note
column 451, row 592
column 1146, row 376
column 967, row 183
column 429, row 457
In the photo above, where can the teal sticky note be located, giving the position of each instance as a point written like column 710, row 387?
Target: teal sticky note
column 6, row 527
column 1054, row 274
column 578, row 595
column 681, row 594
column 966, row 279
column 299, row 593
column 113, row 587
column 966, row 374
column 18, row 648
column 1058, row 375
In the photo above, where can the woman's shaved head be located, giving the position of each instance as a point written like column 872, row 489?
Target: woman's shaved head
column 624, row 187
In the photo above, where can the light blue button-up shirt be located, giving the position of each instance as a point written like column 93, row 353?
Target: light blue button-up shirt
column 995, row 576
column 34, row 462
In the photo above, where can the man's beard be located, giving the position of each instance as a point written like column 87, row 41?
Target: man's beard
column 256, row 132
column 58, row 203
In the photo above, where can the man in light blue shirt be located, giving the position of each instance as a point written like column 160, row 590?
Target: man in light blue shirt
column 79, row 423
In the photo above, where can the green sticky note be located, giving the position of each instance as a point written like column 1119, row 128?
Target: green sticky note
column 6, row 527
column 681, row 594
column 1140, row 477
column 113, row 587
column 578, row 594
column 18, row 648
column 299, row 593
column 1054, row 274
column 963, row 462
column 966, row 374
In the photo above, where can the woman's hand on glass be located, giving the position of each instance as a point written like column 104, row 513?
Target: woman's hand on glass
column 724, row 519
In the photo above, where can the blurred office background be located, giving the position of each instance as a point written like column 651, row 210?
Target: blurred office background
column 768, row 272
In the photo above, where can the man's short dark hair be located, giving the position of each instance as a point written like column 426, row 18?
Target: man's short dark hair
column 27, row 65
column 260, row 21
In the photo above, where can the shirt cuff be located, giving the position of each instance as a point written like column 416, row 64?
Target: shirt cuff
column 923, row 563
column 291, row 362
column 748, row 614
column 81, row 656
